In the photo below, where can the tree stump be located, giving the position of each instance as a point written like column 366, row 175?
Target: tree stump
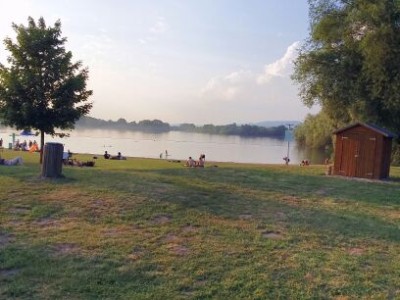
column 52, row 160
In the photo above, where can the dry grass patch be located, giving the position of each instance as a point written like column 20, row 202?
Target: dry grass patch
column 245, row 216
column 48, row 222
column 356, row 251
column 20, row 210
column 137, row 253
column 178, row 249
column 273, row 235
column 161, row 219
column 66, row 249
column 189, row 229
column 176, row 244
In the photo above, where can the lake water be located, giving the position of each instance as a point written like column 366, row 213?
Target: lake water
column 180, row 145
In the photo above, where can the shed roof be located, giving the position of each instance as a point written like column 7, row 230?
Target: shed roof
column 372, row 127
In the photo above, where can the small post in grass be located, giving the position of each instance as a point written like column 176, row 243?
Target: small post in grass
column 288, row 138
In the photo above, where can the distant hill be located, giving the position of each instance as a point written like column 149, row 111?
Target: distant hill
column 276, row 123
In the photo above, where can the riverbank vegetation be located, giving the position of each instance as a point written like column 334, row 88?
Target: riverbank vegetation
column 159, row 126
column 349, row 66
column 152, row 229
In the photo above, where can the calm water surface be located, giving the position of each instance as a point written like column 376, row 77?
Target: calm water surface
column 180, row 145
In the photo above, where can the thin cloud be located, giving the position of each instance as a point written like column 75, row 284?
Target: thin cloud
column 282, row 67
column 227, row 87
column 159, row 27
column 250, row 95
column 244, row 82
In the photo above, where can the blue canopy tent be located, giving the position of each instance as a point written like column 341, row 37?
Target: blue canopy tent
column 26, row 132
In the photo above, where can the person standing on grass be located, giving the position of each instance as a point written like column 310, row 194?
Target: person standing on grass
column 201, row 161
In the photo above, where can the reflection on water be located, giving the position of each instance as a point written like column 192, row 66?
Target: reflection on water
column 316, row 156
column 181, row 145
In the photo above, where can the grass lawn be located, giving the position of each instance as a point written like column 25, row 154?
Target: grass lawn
column 152, row 229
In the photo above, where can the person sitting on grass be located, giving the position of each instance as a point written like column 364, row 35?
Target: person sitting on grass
column 201, row 161
column 190, row 162
column 77, row 163
column 12, row 162
column 106, row 155
column 118, row 157
column 305, row 162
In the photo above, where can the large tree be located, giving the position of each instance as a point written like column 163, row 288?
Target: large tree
column 40, row 87
column 350, row 65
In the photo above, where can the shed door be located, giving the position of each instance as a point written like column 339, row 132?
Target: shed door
column 350, row 149
column 366, row 161
column 358, row 156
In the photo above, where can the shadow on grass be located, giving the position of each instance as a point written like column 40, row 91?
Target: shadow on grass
column 230, row 192
column 73, row 275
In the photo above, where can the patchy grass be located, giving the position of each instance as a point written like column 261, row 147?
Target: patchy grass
column 152, row 229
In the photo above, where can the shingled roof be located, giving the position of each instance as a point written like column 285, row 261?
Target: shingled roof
column 382, row 131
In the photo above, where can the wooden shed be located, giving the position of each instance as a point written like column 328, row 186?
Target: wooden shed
column 363, row 150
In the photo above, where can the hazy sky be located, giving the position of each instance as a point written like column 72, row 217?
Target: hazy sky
column 196, row 61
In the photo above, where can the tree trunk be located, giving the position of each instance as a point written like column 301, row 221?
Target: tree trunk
column 41, row 145
column 52, row 160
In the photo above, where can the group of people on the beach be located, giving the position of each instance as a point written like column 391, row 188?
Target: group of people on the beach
column 119, row 156
column 191, row 163
column 305, row 162
column 26, row 146
column 31, row 146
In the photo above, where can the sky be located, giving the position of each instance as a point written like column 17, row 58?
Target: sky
column 180, row 61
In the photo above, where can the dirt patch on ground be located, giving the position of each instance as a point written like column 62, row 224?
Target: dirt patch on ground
column 48, row 222
column 273, row 235
column 113, row 232
column 99, row 202
column 292, row 200
column 171, row 238
column 179, row 250
column 63, row 195
column 137, row 253
column 356, row 251
column 161, row 219
column 309, row 277
column 175, row 244
column 245, row 217
column 281, row 216
column 189, row 229
column 20, row 210
column 66, row 248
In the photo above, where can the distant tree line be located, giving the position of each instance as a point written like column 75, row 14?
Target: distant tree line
column 158, row 126
column 122, row 124
column 234, row 129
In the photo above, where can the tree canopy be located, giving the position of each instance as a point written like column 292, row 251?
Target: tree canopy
column 40, row 87
column 350, row 64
